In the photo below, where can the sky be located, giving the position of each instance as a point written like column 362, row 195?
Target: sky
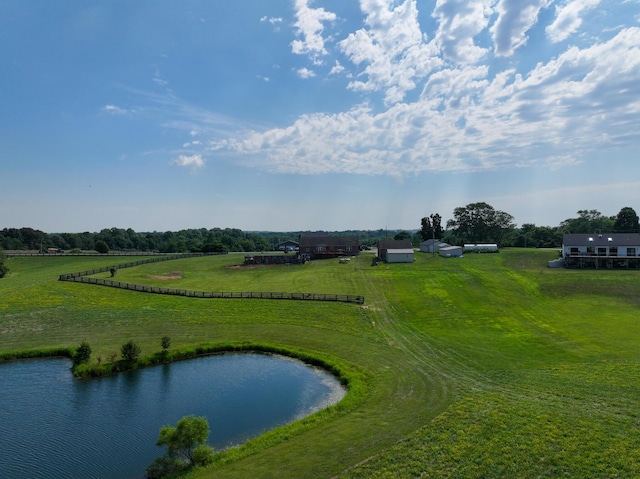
column 295, row 115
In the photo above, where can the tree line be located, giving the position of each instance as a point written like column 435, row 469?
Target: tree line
column 188, row 240
column 473, row 223
column 481, row 223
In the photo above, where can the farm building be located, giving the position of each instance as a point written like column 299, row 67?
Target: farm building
column 611, row 250
column 449, row 251
column 402, row 255
column 481, row 248
column 431, row 246
column 322, row 245
column 384, row 246
column 288, row 245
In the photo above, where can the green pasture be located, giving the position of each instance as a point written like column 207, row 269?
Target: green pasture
column 483, row 366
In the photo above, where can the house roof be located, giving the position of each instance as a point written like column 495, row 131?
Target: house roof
column 394, row 244
column 429, row 241
column 605, row 239
column 327, row 240
column 400, row 251
column 449, row 248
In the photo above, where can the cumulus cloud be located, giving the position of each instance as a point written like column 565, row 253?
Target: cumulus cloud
column 193, row 161
column 305, row 73
column 466, row 120
column 391, row 49
column 568, row 19
column 515, row 18
column 460, row 21
column 309, row 26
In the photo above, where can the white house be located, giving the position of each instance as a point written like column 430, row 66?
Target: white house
column 608, row 250
column 404, row 255
column 450, row 251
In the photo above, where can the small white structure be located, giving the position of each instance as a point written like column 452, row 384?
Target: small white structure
column 431, row 246
column 450, row 251
column 404, row 255
column 481, row 248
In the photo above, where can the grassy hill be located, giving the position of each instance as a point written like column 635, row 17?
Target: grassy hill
column 483, row 366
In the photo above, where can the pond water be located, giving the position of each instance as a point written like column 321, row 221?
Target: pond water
column 52, row 425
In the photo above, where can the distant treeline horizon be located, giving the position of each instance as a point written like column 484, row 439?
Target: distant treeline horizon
column 234, row 239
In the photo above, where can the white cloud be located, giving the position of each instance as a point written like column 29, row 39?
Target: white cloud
column 391, row 48
column 305, row 73
column 193, row 161
column 515, row 18
column 568, row 19
column 465, row 120
column 271, row 20
column 337, row 68
column 114, row 110
column 460, row 21
column 309, row 25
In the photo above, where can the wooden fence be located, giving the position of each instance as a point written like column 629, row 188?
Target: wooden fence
column 84, row 277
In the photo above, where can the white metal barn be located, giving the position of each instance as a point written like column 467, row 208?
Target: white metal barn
column 450, row 251
column 404, row 255
column 481, row 248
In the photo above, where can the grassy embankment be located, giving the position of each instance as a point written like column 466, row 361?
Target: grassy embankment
column 485, row 366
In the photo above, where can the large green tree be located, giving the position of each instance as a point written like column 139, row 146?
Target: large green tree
column 626, row 221
column 186, row 446
column 588, row 221
column 431, row 227
column 480, row 223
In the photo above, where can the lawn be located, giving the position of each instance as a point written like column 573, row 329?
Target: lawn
column 483, row 366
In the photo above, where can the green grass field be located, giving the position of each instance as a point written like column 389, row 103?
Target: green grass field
column 484, row 366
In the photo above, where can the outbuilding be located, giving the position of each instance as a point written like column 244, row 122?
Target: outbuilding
column 404, row 255
column 481, row 248
column 431, row 245
column 450, row 251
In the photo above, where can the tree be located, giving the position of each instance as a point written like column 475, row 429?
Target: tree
column 402, row 235
column 431, row 227
column 3, row 269
column 186, row 447
column 588, row 221
column 626, row 221
column 480, row 223
column 101, row 247
column 165, row 342
column 82, row 354
column 130, row 351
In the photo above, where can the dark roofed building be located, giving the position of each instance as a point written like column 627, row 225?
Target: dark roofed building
column 320, row 245
column 607, row 250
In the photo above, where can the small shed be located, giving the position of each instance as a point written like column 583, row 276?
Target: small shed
column 404, row 255
column 432, row 246
column 450, row 251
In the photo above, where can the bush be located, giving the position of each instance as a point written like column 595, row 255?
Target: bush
column 130, row 351
column 82, row 354
column 101, row 247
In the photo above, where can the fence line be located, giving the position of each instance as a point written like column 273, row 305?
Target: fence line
column 84, row 277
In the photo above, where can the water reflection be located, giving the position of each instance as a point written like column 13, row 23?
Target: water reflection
column 52, row 425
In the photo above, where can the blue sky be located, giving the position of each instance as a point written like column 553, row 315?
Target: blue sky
column 289, row 115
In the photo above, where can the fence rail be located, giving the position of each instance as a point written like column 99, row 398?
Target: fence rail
column 84, row 277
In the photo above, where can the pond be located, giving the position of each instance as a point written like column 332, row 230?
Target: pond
column 52, row 425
